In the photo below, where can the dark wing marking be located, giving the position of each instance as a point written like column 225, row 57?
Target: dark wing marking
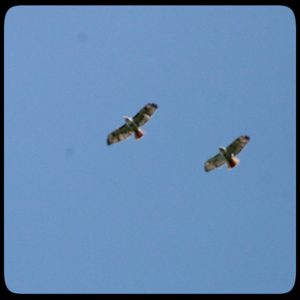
column 214, row 162
column 118, row 135
column 238, row 144
column 145, row 114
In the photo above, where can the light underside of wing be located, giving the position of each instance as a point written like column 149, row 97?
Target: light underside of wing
column 238, row 144
column 214, row 162
column 118, row 135
column 145, row 114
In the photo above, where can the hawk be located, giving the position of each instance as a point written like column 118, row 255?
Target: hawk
column 132, row 125
column 227, row 155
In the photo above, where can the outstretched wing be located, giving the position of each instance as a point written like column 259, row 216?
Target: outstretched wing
column 145, row 114
column 214, row 162
column 238, row 144
column 118, row 135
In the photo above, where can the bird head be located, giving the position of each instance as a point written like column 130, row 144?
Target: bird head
column 127, row 119
column 222, row 150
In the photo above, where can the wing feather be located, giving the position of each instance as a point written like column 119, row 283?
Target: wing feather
column 214, row 162
column 238, row 144
column 118, row 135
column 145, row 114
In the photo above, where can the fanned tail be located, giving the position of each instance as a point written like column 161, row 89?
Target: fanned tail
column 234, row 161
column 138, row 134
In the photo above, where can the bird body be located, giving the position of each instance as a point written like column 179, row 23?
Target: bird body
column 132, row 126
column 229, row 158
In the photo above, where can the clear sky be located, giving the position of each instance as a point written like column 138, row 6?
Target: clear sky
column 143, row 216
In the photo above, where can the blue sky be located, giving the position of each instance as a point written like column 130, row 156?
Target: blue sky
column 143, row 216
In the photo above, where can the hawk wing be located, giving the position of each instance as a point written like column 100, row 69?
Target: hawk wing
column 145, row 114
column 214, row 162
column 238, row 144
column 118, row 135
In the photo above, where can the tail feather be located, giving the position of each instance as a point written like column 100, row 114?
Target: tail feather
column 234, row 161
column 138, row 134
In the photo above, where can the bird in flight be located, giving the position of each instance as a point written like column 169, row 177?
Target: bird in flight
column 132, row 125
column 227, row 155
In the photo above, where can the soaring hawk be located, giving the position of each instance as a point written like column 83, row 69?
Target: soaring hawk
column 227, row 155
column 132, row 125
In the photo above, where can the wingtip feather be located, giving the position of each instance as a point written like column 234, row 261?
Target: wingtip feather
column 108, row 142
